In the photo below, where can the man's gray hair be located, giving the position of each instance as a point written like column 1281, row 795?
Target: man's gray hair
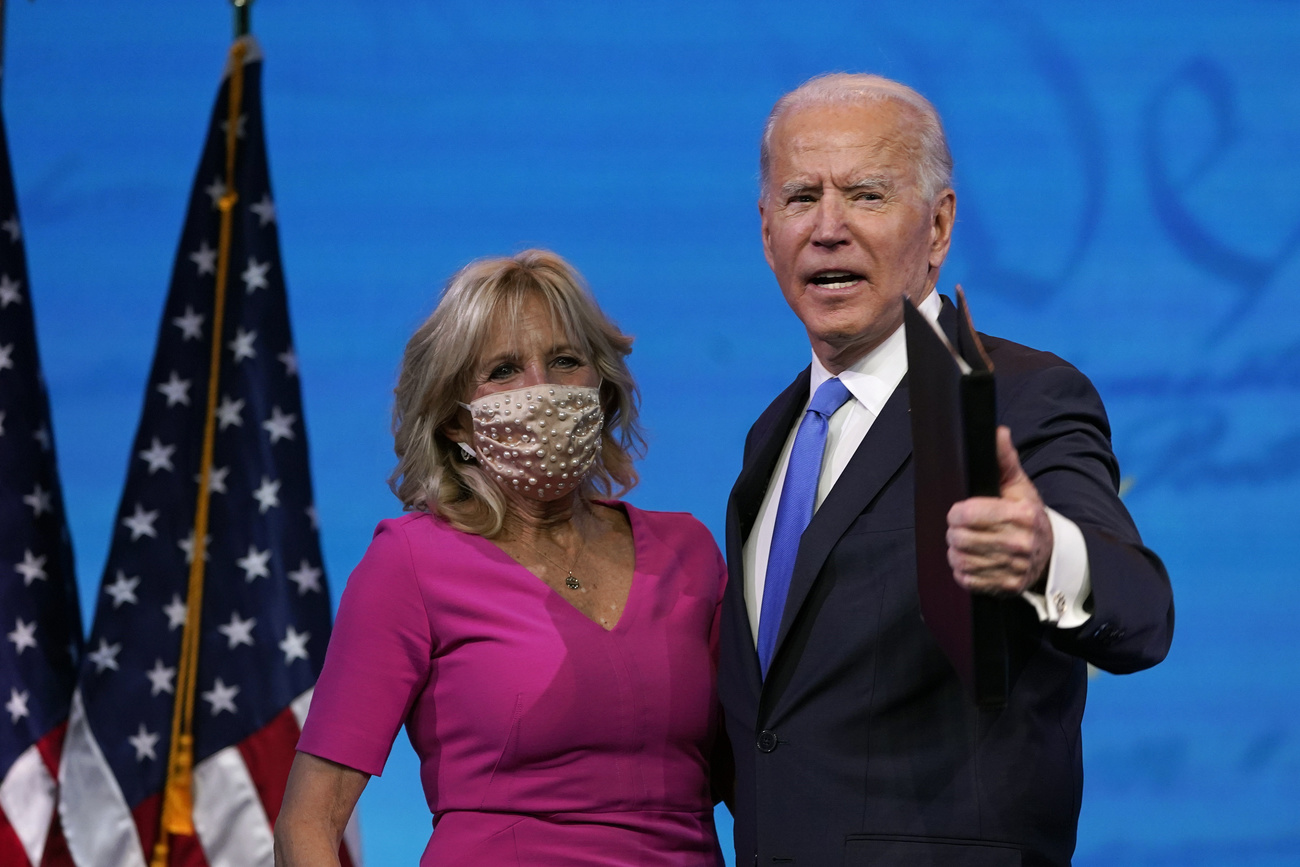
column 933, row 160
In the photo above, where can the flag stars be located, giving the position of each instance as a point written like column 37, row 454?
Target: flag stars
column 254, row 275
column 175, row 611
column 238, row 631
column 40, row 500
column 313, row 516
column 158, row 456
column 42, row 437
column 265, row 210
column 230, row 412
column 2, row 423
column 307, row 577
column 32, row 568
column 221, row 697
column 205, row 258
column 12, row 228
column 105, row 656
column 216, row 191
column 255, row 564
column 190, row 323
column 162, row 678
column 17, row 704
column 187, row 545
column 123, row 590
column 239, row 126
column 267, row 495
column 294, row 645
column 290, row 361
column 242, row 345
column 176, row 390
column 6, row 356
column 279, row 425
column 144, row 742
column 141, row 523
column 9, row 293
column 23, row 636
column 217, row 479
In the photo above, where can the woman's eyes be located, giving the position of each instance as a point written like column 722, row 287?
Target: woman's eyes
column 506, row 369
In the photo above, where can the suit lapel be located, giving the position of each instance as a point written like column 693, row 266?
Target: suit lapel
column 762, row 450
column 770, row 434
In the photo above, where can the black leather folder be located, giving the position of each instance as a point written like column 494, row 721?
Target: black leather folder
column 954, row 450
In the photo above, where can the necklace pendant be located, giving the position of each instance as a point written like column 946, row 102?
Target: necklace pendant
column 572, row 583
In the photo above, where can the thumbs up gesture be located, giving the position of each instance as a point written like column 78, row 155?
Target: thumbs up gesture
column 1001, row 545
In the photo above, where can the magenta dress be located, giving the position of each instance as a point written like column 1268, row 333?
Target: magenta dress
column 542, row 737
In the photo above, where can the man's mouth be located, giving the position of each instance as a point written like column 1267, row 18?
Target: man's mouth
column 835, row 279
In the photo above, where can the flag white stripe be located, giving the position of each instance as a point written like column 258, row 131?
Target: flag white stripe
column 301, row 705
column 231, row 824
column 97, row 822
column 27, row 796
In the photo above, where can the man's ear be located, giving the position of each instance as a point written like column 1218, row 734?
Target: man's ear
column 766, row 230
column 945, row 214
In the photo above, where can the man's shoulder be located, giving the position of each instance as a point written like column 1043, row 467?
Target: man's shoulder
column 1009, row 356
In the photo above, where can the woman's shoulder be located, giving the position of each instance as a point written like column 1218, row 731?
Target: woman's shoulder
column 420, row 537
column 669, row 525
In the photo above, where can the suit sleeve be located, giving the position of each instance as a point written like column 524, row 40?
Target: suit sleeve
column 1060, row 428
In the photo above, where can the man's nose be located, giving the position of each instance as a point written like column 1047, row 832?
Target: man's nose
column 831, row 227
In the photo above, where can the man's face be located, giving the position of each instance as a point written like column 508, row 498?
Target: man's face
column 846, row 228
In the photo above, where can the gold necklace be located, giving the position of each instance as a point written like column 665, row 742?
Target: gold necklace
column 570, row 580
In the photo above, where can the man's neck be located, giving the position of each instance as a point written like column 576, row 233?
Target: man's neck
column 836, row 359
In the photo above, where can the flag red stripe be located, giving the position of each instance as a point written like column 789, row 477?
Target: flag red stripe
column 268, row 753
column 50, row 746
column 11, row 848
column 56, row 848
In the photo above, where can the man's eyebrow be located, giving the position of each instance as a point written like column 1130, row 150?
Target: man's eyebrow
column 794, row 188
column 874, row 182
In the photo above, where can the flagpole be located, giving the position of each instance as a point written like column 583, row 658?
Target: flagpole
column 178, row 791
column 243, row 11
column 2, row 39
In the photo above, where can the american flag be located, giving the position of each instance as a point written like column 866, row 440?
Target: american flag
column 39, row 616
column 265, row 610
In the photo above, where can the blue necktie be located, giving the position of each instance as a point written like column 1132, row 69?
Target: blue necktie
column 795, row 510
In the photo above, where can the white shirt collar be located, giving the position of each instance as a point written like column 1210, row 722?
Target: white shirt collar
column 873, row 378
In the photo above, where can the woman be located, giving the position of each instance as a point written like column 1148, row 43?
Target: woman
column 552, row 654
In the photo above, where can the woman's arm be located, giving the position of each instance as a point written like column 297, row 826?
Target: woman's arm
column 318, row 801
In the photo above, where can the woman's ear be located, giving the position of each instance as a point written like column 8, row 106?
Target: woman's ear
column 457, row 429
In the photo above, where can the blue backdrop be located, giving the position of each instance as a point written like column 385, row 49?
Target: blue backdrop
column 1126, row 175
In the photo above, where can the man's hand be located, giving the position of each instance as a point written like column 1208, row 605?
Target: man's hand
column 1001, row 545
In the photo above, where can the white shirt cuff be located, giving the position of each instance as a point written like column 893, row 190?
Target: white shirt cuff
column 1068, row 584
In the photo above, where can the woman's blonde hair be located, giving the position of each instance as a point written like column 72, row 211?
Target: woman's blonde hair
column 438, row 369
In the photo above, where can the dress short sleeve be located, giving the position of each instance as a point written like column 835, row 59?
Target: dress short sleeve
column 377, row 661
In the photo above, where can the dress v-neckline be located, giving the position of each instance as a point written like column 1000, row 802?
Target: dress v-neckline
column 632, row 583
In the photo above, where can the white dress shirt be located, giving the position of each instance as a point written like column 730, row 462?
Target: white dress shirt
column 871, row 381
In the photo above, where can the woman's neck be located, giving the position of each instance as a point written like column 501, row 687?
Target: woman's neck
column 554, row 520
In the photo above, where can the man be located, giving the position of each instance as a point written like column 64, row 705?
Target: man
column 854, row 740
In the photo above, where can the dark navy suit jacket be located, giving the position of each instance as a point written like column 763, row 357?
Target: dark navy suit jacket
column 861, row 746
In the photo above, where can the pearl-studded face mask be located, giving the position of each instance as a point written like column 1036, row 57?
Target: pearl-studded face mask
column 540, row 441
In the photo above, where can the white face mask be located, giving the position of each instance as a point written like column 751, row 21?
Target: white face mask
column 541, row 440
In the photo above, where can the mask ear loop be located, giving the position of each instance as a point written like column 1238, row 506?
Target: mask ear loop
column 465, row 449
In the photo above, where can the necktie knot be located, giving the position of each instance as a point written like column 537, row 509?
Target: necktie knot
column 830, row 396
